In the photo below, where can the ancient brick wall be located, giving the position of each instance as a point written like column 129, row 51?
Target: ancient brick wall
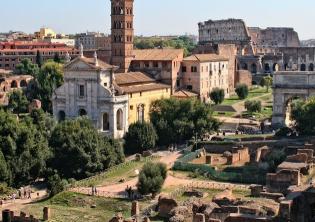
column 244, row 77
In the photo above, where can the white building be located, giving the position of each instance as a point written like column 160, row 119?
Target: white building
column 89, row 89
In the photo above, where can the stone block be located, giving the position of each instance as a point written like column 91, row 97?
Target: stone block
column 135, row 208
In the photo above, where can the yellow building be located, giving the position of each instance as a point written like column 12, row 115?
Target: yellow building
column 142, row 90
column 47, row 33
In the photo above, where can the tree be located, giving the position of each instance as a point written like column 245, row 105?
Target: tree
column 242, row 91
column 303, row 114
column 26, row 67
column 4, row 172
column 176, row 120
column 140, row 137
column 55, row 184
column 39, row 59
column 217, row 95
column 253, row 106
column 80, row 151
column 266, row 82
column 48, row 79
column 152, row 178
column 18, row 102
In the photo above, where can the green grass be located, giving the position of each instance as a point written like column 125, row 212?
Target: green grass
column 266, row 113
column 253, row 93
column 124, row 171
column 68, row 206
column 226, row 114
column 243, row 136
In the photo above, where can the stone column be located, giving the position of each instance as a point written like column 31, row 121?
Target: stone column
column 46, row 213
column 135, row 209
column 6, row 216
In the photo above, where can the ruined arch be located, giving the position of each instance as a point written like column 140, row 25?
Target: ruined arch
column 23, row 83
column 14, row 84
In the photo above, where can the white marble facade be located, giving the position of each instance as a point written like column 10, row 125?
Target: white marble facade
column 89, row 90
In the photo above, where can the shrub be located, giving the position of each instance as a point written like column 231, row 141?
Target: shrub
column 140, row 137
column 217, row 95
column 151, row 178
column 242, row 91
column 56, row 185
column 253, row 106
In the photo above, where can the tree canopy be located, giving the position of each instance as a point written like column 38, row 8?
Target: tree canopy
column 217, row 95
column 178, row 120
column 140, row 137
column 303, row 114
column 242, row 91
column 18, row 102
column 26, row 67
column 79, row 150
column 266, row 82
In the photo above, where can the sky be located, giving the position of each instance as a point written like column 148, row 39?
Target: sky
column 156, row 17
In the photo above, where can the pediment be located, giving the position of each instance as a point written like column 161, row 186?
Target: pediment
column 77, row 65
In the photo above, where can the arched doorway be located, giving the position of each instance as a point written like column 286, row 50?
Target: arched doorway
column 311, row 67
column 61, row 115
column 267, row 68
column 120, row 119
column 254, row 68
column 244, row 66
column 274, row 67
column 303, row 67
column 14, row 84
column 105, row 122
column 23, row 83
column 82, row 112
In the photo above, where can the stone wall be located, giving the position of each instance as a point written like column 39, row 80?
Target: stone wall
column 244, row 77
column 279, row 182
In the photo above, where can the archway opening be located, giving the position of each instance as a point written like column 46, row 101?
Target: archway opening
column 61, row 115
column 119, row 117
column 254, row 68
column 275, row 67
column 244, row 66
column 105, row 122
column 82, row 112
column 311, row 67
column 14, row 84
column 23, row 83
column 290, row 104
column 267, row 68
column 303, row 67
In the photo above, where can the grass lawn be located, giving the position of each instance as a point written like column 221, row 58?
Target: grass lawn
column 243, row 136
column 266, row 113
column 124, row 171
column 226, row 114
column 68, row 206
column 253, row 93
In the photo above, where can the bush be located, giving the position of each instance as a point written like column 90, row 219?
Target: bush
column 242, row 91
column 253, row 106
column 283, row 132
column 56, row 185
column 140, row 137
column 152, row 178
column 217, row 95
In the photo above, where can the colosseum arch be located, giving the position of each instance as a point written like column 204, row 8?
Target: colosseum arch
column 287, row 86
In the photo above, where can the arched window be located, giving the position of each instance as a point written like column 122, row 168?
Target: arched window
column 303, row 67
column 105, row 122
column 61, row 115
column 82, row 112
column 267, row 67
column 119, row 119
column 311, row 67
column 23, row 83
column 140, row 113
column 254, row 68
column 14, row 84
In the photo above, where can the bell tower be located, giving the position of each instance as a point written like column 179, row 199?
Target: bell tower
column 122, row 33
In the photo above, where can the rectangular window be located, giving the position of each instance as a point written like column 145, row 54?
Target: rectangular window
column 184, row 69
column 81, row 91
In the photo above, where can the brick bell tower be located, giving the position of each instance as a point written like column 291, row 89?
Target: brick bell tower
column 122, row 33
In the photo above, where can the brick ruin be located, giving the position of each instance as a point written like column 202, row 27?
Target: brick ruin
column 8, row 216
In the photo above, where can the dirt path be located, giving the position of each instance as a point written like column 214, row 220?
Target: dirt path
column 18, row 204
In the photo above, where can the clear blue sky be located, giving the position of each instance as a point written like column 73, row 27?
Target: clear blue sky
column 159, row 17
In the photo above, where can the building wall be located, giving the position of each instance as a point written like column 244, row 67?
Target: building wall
column 209, row 75
column 146, row 99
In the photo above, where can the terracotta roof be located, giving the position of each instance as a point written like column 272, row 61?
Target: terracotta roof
column 157, row 54
column 184, row 94
column 63, row 49
column 206, row 58
column 131, row 78
column 144, row 87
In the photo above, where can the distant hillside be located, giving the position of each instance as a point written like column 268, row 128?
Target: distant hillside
column 308, row 43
